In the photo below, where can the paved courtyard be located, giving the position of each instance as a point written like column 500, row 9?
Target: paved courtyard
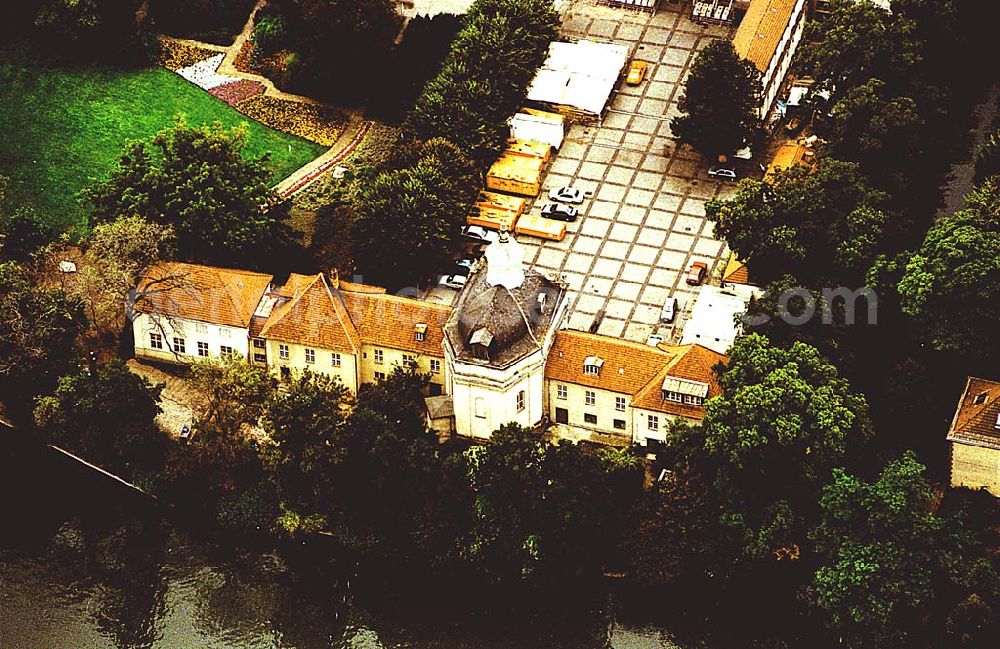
column 644, row 223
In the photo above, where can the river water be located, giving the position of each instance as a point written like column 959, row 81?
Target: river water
column 84, row 565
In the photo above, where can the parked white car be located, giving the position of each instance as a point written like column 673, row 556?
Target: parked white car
column 480, row 234
column 456, row 282
column 567, row 195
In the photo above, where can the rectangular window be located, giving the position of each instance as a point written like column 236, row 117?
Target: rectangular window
column 620, row 404
column 589, row 418
column 202, row 348
column 619, row 424
column 258, row 343
column 310, row 355
column 593, row 370
column 225, row 351
column 155, row 341
column 379, row 376
column 693, row 400
column 379, row 357
column 520, row 401
column 435, row 366
column 201, row 328
column 260, row 358
column 180, row 346
column 283, row 352
column 335, row 359
column 653, row 422
column 409, row 359
column 223, row 333
column 480, row 407
column 560, row 392
column 590, row 398
column 419, row 336
column 673, row 396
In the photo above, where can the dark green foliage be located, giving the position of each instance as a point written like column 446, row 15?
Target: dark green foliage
column 197, row 180
column 106, row 31
column 406, row 218
column 419, row 57
column 485, row 77
column 107, row 418
column 215, row 21
column 785, row 420
column 988, row 157
column 821, row 226
column 39, row 329
column 951, row 285
column 542, row 511
column 302, row 422
column 21, row 232
column 720, row 101
column 341, row 47
column 893, row 568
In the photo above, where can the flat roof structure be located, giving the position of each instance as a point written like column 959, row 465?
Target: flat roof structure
column 713, row 318
column 581, row 75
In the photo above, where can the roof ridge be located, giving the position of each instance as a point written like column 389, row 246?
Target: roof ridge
column 612, row 340
column 400, row 298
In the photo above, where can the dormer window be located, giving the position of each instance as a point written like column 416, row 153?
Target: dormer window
column 980, row 398
column 592, row 365
column 678, row 390
column 420, row 333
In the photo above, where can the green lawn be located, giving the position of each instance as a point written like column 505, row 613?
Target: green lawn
column 59, row 129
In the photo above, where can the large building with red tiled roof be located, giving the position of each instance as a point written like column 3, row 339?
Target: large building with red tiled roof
column 188, row 311
column 974, row 437
column 499, row 356
column 617, row 391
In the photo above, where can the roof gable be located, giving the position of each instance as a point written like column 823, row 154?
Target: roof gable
column 219, row 296
column 391, row 321
column 314, row 315
column 627, row 366
column 976, row 417
column 688, row 364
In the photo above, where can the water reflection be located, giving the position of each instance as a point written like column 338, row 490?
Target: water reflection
column 83, row 569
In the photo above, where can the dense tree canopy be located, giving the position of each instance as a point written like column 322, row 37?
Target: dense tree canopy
column 408, row 217
column 541, row 510
column 303, row 421
column 892, row 566
column 197, row 181
column 720, row 102
column 340, row 47
column 39, row 329
column 213, row 20
column 485, row 77
column 785, row 420
column 107, row 417
column 107, row 31
column 951, row 284
column 823, row 226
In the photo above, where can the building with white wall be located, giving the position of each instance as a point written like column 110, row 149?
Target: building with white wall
column 768, row 36
column 497, row 340
column 186, row 311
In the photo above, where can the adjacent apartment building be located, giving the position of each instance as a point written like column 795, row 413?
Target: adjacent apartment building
column 974, row 437
column 768, row 36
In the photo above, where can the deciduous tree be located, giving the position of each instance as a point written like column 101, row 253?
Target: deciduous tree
column 823, row 226
column 720, row 102
column 39, row 329
column 196, row 180
column 108, row 417
column 952, row 283
column 784, row 421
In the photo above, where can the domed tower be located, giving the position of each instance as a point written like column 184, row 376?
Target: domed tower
column 497, row 340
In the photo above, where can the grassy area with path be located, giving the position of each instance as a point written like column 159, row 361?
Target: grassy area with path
column 62, row 128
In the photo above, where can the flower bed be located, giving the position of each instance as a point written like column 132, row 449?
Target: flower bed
column 175, row 56
column 320, row 124
column 204, row 75
column 238, row 91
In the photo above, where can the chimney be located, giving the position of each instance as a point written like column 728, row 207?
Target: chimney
column 334, row 278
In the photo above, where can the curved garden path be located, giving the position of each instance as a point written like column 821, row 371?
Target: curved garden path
column 350, row 137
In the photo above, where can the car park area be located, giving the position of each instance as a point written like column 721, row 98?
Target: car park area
column 641, row 223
